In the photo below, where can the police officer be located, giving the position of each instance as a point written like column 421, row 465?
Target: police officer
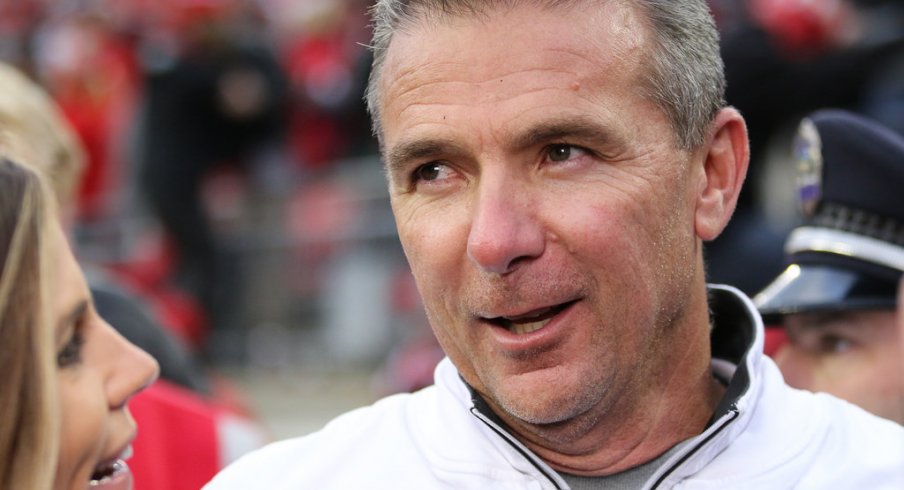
column 837, row 298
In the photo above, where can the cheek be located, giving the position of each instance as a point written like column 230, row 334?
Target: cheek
column 83, row 411
column 890, row 384
column 853, row 377
column 435, row 247
column 795, row 370
column 619, row 241
column 872, row 380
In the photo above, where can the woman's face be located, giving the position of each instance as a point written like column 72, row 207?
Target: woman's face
column 99, row 371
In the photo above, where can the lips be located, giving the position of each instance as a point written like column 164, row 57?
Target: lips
column 113, row 474
column 531, row 321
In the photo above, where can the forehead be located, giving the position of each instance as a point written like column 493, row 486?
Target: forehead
column 68, row 286
column 612, row 29
column 524, row 48
column 862, row 320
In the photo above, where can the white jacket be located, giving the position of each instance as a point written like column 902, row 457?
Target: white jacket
column 765, row 435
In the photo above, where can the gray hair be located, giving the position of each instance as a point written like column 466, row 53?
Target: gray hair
column 686, row 76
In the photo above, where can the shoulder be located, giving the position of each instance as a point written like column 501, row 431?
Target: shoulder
column 857, row 449
column 806, row 440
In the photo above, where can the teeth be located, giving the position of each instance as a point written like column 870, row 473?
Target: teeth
column 531, row 317
column 523, row 328
column 531, row 322
column 110, row 472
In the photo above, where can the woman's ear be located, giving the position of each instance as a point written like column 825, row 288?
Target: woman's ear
column 725, row 159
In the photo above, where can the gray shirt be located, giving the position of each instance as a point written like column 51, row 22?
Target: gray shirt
column 631, row 479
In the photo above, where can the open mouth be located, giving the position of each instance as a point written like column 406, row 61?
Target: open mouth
column 108, row 472
column 530, row 321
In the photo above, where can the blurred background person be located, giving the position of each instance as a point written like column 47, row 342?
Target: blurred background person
column 214, row 96
column 783, row 60
column 837, row 298
column 328, row 72
column 68, row 376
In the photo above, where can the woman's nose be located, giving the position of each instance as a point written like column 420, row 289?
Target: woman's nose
column 130, row 370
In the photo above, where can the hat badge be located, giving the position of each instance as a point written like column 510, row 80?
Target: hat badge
column 808, row 159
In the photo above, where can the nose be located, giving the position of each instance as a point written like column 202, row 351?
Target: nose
column 505, row 231
column 130, row 370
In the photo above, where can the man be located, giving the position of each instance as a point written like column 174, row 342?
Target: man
column 554, row 167
column 837, row 298
column 214, row 98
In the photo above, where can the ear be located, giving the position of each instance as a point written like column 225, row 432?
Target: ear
column 725, row 159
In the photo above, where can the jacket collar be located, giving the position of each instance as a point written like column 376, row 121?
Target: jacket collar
column 737, row 351
column 736, row 342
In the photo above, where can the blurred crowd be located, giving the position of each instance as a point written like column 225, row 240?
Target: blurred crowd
column 191, row 112
column 784, row 59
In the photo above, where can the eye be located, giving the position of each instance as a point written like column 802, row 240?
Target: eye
column 431, row 172
column 563, row 152
column 834, row 344
column 428, row 172
column 71, row 353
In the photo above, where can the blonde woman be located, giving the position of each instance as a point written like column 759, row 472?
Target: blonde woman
column 34, row 132
column 67, row 376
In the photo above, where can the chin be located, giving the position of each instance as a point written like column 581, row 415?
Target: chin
column 548, row 411
column 552, row 402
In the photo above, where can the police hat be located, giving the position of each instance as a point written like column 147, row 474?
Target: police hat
column 849, row 253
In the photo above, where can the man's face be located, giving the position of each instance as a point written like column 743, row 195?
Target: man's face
column 853, row 355
column 546, row 214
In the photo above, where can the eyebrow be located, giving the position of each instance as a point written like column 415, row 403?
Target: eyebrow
column 819, row 321
column 74, row 314
column 581, row 128
column 422, row 149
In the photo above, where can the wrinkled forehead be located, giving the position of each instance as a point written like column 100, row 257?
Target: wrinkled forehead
column 421, row 17
column 413, row 11
column 616, row 31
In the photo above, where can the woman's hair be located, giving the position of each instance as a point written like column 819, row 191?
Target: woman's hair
column 29, row 427
column 36, row 133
